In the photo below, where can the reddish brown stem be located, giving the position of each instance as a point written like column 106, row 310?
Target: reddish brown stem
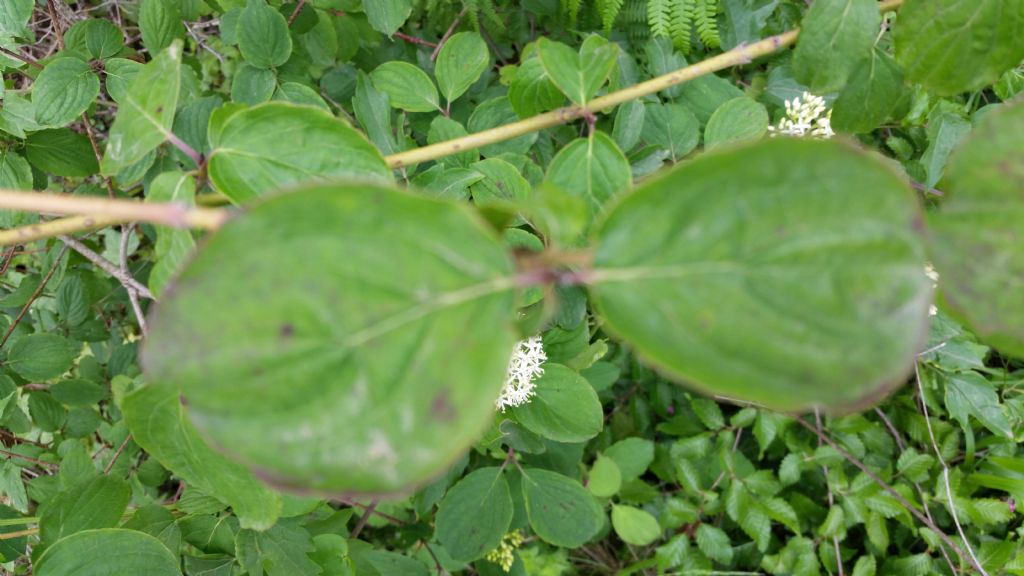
column 913, row 510
column 364, row 519
column 448, row 33
column 56, row 23
column 24, row 59
column 415, row 40
column 32, row 298
column 113, row 460
column 96, row 150
column 188, row 150
column 36, row 461
column 295, row 13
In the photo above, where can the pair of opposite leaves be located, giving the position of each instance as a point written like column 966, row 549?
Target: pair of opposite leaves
column 352, row 338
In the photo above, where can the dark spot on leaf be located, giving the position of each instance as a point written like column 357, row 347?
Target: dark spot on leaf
column 706, row 320
column 441, row 408
column 183, row 400
column 159, row 109
column 287, row 331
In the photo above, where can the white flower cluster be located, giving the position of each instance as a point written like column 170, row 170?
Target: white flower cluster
column 930, row 272
column 524, row 366
column 805, row 116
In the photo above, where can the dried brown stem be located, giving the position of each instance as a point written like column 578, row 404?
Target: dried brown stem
column 890, row 490
column 107, row 266
column 24, row 59
column 33, row 297
column 295, row 13
column 448, row 34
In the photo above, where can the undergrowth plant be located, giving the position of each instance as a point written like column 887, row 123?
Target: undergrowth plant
column 484, row 287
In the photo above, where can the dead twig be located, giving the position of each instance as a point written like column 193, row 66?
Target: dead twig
column 448, row 34
column 364, row 518
column 33, row 297
column 107, row 266
column 295, row 13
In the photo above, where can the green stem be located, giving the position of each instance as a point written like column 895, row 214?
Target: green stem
column 119, row 211
column 735, row 57
column 95, row 212
column 19, row 521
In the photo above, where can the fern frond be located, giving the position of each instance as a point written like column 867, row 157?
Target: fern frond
column 571, row 9
column 635, row 12
column 659, row 14
column 490, row 13
column 472, row 8
column 705, row 20
column 609, row 10
column 681, row 25
column 634, row 20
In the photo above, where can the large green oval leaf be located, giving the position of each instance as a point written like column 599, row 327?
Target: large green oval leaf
column 475, row 514
column 64, row 89
column 632, row 456
column 565, row 408
column 635, row 526
column 738, row 120
column 870, row 96
column 461, row 61
column 578, row 76
column 593, row 169
column 41, row 356
column 14, row 15
column 146, row 114
column 263, row 37
column 275, row 145
column 15, row 171
column 252, row 85
column 531, row 91
column 160, row 22
column 835, row 36
column 672, row 127
column 954, row 46
column 100, row 39
column 975, row 239
column 61, row 152
column 560, row 510
column 158, row 423
column 118, row 74
column 343, row 338
column 96, row 502
column 407, row 86
column 786, row 273
column 387, row 16
column 107, row 552
column 605, row 477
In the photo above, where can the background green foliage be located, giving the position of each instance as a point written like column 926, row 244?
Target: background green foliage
column 770, row 274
